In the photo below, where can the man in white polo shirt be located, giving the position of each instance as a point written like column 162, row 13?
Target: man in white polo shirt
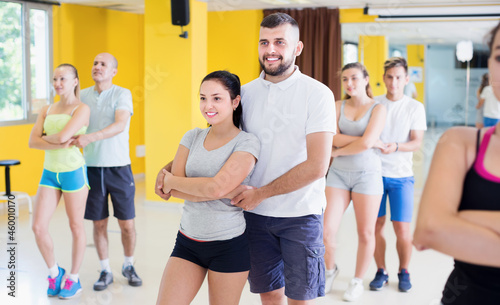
column 403, row 133
column 293, row 116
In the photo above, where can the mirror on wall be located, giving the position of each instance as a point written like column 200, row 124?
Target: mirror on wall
column 444, row 77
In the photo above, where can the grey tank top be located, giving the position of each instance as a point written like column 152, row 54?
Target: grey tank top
column 367, row 160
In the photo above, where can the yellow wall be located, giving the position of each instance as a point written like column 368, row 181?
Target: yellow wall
column 174, row 68
column 355, row 15
column 233, row 38
column 372, row 52
column 24, row 177
column 119, row 33
column 217, row 40
column 416, row 58
column 80, row 33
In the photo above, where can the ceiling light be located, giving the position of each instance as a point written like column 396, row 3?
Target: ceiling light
column 434, row 12
column 281, row 2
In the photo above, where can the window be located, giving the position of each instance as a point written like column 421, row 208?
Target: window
column 396, row 53
column 25, row 60
column 350, row 53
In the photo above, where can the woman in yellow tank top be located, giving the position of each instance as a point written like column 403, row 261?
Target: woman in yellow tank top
column 64, row 174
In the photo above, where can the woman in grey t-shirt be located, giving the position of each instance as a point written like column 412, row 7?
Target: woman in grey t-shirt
column 210, row 166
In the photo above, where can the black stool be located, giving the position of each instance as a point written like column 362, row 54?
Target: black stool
column 8, row 193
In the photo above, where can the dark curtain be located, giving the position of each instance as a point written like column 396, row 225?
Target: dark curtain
column 322, row 54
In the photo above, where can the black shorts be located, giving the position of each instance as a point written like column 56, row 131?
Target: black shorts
column 115, row 181
column 230, row 255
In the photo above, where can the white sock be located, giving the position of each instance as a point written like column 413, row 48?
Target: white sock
column 357, row 279
column 54, row 271
column 74, row 277
column 105, row 265
column 129, row 261
column 330, row 272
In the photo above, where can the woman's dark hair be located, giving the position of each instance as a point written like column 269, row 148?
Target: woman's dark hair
column 75, row 74
column 359, row 66
column 232, row 83
column 485, row 81
column 490, row 37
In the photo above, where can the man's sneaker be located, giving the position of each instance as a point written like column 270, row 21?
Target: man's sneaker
column 71, row 289
column 104, row 280
column 381, row 280
column 404, row 281
column 330, row 276
column 354, row 290
column 55, row 283
column 133, row 278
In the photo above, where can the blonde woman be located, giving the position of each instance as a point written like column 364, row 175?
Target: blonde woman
column 64, row 174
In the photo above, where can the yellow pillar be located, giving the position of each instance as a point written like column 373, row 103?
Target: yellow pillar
column 373, row 51
column 174, row 67
column 232, row 44
column 416, row 58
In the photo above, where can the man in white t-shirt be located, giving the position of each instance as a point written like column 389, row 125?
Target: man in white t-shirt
column 293, row 116
column 491, row 107
column 402, row 135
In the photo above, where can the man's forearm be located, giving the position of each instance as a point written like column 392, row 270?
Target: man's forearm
column 296, row 178
column 109, row 131
column 410, row 146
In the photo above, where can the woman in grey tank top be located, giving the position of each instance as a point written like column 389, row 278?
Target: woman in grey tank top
column 355, row 174
column 209, row 166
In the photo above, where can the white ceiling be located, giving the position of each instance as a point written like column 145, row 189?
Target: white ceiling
column 228, row 5
column 443, row 32
column 421, row 32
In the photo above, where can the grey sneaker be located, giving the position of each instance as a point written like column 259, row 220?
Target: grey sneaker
column 330, row 275
column 104, row 280
column 133, row 278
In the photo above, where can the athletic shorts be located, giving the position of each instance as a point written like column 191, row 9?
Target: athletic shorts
column 361, row 182
column 117, row 182
column 400, row 193
column 287, row 252
column 67, row 182
column 227, row 256
column 488, row 122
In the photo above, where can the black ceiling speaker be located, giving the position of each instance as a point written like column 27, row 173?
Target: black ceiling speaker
column 180, row 14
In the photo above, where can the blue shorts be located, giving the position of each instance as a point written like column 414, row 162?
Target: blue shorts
column 287, row 252
column 361, row 182
column 400, row 192
column 117, row 182
column 488, row 122
column 67, row 182
column 227, row 256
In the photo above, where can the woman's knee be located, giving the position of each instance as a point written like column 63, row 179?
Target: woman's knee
column 366, row 235
column 77, row 227
column 329, row 239
column 40, row 229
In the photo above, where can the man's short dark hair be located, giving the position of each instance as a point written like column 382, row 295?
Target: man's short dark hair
column 395, row 62
column 277, row 19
